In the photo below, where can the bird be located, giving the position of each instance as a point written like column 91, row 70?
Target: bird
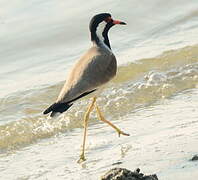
column 89, row 75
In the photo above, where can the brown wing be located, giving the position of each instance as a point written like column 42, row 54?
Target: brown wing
column 94, row 69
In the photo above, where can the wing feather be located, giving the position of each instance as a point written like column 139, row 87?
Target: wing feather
column 94, row 69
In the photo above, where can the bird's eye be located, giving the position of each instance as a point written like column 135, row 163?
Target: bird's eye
column 108, row 19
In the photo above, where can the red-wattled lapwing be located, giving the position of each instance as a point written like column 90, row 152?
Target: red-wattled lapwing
column 94, row 69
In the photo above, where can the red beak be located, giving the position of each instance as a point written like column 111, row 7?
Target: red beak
column 118, row 22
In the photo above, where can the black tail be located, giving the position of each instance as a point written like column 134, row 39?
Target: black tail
column 62, row 107
column 57, row 107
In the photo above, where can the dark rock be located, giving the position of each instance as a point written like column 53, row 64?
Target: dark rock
column 194, row 158
column 125, row 174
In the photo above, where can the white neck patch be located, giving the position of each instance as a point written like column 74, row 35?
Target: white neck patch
column 100, row 29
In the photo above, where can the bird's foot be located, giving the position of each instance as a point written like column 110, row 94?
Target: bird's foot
column 82, row 159
column 122, row 133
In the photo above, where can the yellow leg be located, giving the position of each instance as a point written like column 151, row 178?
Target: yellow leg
column 86, row 118
column 101, row 117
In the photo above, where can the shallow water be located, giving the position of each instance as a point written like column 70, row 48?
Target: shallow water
column 153, row 97
column 163, row 139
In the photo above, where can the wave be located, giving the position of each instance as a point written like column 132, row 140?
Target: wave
column 137, row 85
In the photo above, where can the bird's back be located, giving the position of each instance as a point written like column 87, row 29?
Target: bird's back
column 94, row 69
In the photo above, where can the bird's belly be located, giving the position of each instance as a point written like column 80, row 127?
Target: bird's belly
column 96, row 93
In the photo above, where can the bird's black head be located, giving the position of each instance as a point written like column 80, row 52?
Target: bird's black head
column 97, row 19
column 100, row 25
